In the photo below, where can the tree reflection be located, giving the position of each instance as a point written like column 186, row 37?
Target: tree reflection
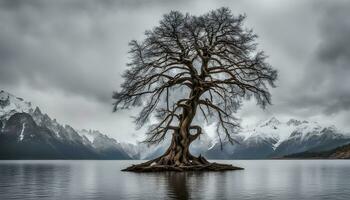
column 179, row 185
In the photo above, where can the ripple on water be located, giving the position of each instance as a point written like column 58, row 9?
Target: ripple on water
column 261, row 179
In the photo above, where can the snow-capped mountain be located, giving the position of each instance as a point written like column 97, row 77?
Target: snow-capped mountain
column 105, row 145
column 311, row 137
column 27, row 133
column 274, row 138
column 9, row 105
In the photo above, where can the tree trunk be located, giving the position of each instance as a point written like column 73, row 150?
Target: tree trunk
column 178, row 157
column 178, row 153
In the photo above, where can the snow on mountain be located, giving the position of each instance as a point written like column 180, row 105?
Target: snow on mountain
column 311, row 137
column 270, row 138
column 273, row 138
column 10, row 104
column 93, row 136
column 24, row 127
column 104, row 144
column 255, row 142
column 276, row 130
column 44, row 120
column 281, row 131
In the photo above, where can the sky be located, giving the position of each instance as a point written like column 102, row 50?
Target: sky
column 67, row 56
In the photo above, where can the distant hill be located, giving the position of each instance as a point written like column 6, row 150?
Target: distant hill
column 342, row 152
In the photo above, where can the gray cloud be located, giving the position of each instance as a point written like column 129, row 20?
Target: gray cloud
column 324, row 82
column 333, row 58
column 67, row 56
column 75, row 46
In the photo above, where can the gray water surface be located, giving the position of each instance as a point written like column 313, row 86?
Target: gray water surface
column 261, row 179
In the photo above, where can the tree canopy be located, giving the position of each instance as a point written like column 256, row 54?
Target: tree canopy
column 194, row 68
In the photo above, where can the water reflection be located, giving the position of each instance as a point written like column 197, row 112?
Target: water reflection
column 192, row 185
column 34, row 180
column 104, row 180
column 177, row 185
column 183, row 186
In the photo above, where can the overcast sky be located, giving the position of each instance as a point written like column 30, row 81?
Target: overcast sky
column 67, row 56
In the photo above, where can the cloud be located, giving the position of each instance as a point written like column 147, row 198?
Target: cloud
column 323, row 84
column 67, row 56
column 78, row 47
column 333, row 58
column 54, row 52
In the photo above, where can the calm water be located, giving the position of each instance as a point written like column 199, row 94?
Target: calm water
column 263, row 179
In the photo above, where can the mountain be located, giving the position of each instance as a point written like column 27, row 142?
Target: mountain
column 10, row 104
column 27, row 133
column 274, row 138
column 269, row 139
column 342, row 152
column 104, row 145
column 22, row 138
column 145, row 152
column 311, row 137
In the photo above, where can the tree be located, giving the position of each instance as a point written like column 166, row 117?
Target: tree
column 189, row 69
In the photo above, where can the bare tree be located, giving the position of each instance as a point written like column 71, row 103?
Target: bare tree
column 193, row 67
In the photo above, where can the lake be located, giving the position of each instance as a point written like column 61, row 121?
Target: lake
column 261, row 179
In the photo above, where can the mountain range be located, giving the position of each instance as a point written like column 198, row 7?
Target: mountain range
column 274, row 139
column 27, row 133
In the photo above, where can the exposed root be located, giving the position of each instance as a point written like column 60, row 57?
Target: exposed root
column 195, row 164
